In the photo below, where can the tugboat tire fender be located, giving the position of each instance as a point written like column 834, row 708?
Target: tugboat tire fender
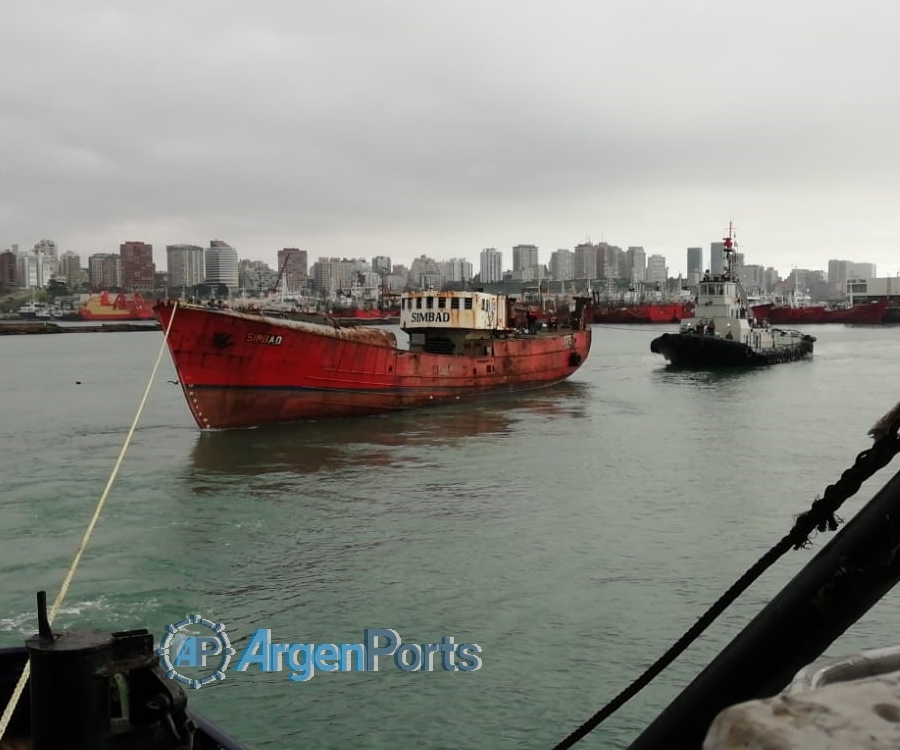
column 574, row 359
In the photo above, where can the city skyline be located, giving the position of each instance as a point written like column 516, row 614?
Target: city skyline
column 219, row 266
column 676, row 266
column 444, row 128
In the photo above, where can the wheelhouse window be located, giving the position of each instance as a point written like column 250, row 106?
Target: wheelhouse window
column 429, row 302
column 418, row 303
column 468, row 303
column 442, row 303
column 454, row 303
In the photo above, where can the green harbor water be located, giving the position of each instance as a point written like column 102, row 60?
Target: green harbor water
column 573, row 533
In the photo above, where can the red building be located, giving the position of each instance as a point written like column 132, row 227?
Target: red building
column 138, row 268
column 7, row 268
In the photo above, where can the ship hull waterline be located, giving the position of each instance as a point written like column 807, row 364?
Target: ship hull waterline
column 239, row 370
column 692, row 351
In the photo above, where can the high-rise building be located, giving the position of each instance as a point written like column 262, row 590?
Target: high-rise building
column 585, row 265
column 457, row 270
column 256, row 276
column 771, row 279
column 8, row 263
column 105, row 271
column 292, row 265
column 381, row 264
column 491, row 270
column 35, row 269
column 524, row 256
column 562, row 265
column 333, row 275
column 635, row 264
column 70, row 267
column 397, row 279
column 221, row 261
column 48, row 248
column 425, row 273
column 694, row 264
column 186, row 266
column 716, row 258
column 657, row 272
column 138, row 269
column 610, row 261
column 863, row 271
column 753, row 278
column 839, row 271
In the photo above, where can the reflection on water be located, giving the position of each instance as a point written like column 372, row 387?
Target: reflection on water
column 308, row 447
column 705, row 378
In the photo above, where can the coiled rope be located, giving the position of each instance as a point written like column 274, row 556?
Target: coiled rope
column 70, row 574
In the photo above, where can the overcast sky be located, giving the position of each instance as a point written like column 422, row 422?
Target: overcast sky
column 429, row 127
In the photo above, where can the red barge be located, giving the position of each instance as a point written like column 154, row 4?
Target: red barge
column 122, row 307
column 866, row 313
column 244, row 370
column 660, row 312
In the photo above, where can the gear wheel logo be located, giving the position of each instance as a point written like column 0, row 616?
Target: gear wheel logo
column 185, row 650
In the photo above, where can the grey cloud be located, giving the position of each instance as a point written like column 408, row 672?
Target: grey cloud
column 408, row 127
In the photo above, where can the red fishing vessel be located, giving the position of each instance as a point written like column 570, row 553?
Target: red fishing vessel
column 661, row 312
column 866, row 313
column 242, row 370
column 122, row 307
column 762, row 311
column 788, row 315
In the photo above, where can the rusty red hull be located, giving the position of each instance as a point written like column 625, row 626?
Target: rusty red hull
column 240, row 370
column 673, row 312
column 868, row 313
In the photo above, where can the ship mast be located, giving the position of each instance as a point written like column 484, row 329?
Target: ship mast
column 729, row 249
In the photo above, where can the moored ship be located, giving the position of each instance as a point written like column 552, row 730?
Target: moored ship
column 244, row 370
column 121, row 307
column 863, row 313
column 365, row 316
column 659, row 312
column 724, row 334
column 33, row 310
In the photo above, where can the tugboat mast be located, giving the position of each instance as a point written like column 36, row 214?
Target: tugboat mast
column 729, row 248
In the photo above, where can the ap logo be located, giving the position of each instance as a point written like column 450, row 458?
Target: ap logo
column 184, row 655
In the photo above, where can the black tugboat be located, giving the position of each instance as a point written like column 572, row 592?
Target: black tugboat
column 723, row 334
column 94, row 690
